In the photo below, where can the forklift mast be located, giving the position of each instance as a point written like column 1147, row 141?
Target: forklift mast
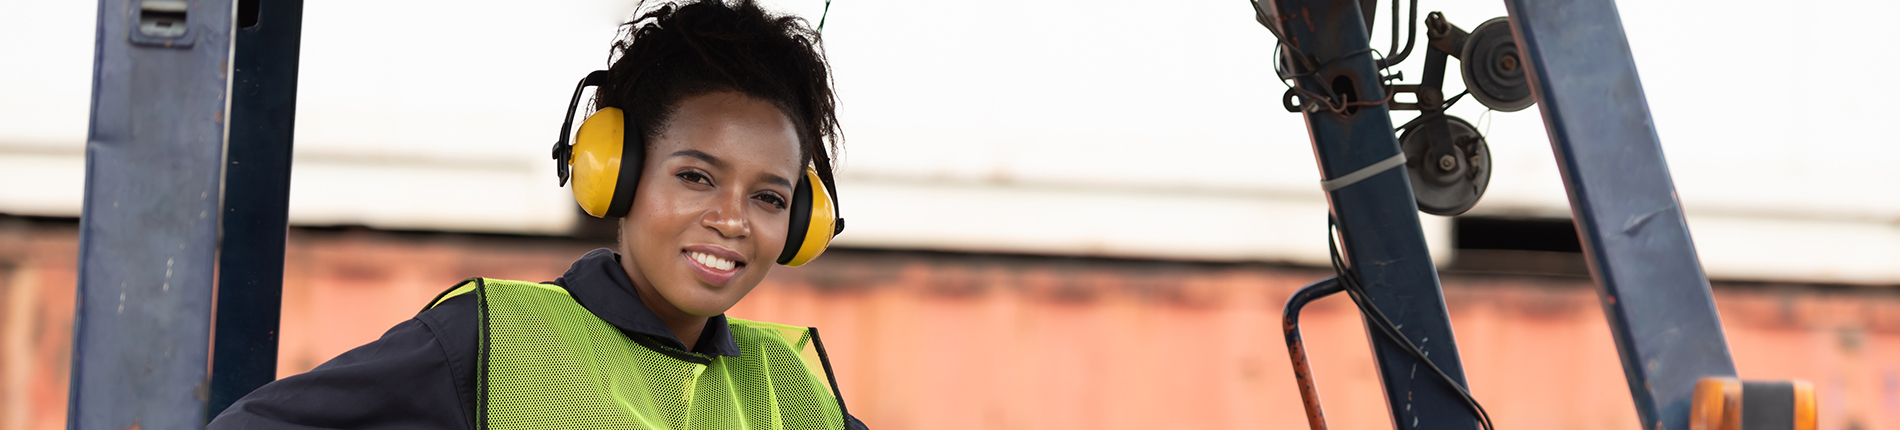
column 1572, row 59
column 184, row 212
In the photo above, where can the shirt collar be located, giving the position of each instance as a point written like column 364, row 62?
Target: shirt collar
column 600, row 285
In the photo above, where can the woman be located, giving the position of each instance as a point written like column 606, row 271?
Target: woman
column 721, row 117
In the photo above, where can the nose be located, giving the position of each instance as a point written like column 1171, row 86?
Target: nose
column 728, row 217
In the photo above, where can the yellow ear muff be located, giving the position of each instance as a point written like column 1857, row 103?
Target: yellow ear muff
column 606, row 163
column 607, row 155
column 814, row 221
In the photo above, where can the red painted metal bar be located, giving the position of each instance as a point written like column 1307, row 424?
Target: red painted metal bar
column 1296, row 349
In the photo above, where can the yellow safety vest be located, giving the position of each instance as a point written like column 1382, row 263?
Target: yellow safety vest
column 547, row 363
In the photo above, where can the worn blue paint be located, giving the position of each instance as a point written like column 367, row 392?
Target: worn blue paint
column 1378, row 218
column 1634, row 234
column 149, row 224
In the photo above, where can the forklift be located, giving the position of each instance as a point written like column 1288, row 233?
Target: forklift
column 188, row 161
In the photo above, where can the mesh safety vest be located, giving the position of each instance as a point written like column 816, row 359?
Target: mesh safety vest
column 547, row 363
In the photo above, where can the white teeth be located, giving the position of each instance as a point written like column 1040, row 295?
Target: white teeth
column 710, row 261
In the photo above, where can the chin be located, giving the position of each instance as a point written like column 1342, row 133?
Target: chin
column 704, row 308
column 699, row 299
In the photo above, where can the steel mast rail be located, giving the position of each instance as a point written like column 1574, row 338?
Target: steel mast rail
column 148, row 230
column 1634, row 235
column 1377, row 215
column 1584, row 81
column 256, row 198
column 164, row 207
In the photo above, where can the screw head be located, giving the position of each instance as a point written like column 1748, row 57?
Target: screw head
column 1447, row 162
column 1509, row 62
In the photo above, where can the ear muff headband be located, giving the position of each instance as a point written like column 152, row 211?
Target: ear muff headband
column 605, row 159
column 562, row 152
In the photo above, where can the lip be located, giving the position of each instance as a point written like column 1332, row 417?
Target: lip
column 711, row 276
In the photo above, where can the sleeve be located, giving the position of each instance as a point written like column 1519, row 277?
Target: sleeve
column 415, row 376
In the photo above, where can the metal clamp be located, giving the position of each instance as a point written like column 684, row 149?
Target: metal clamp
column 1348, row 179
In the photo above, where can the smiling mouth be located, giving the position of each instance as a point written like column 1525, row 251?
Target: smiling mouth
column 714, row 262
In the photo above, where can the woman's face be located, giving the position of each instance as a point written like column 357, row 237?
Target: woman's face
column 713, row 205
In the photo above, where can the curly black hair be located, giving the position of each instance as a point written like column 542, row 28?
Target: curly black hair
column 674, row 52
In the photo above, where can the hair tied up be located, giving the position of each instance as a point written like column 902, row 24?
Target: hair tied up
column 672, row 50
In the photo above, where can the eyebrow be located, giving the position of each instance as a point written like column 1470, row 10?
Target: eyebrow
column 708, row 158
column 775, row 179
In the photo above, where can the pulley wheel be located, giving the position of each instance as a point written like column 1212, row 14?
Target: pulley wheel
column 1448, row 163
column 1492, row 68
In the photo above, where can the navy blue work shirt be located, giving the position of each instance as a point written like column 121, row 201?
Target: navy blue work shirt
column 421, row 373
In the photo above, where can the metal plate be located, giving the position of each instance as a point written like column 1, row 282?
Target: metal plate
column 1493, row 69
column 1449, row 166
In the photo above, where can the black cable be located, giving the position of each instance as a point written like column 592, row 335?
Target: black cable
column 1453, row 100
column 1284, row 50
column 1327, row 99
column 1411, row 35
column 827, row 14
column 1349, row 280
column 1433, row 114
column 1395, row 27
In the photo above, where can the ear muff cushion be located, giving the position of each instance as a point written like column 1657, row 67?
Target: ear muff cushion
column 814, row 218
column 633, row 158
column 596, row 161
column 606, row 164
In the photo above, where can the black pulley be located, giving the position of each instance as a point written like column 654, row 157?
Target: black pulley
column 1448, row 163
column 1492, row 68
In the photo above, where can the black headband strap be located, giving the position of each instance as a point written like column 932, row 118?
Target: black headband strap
column 594, row 79
column 563, row 151
column 821, row 161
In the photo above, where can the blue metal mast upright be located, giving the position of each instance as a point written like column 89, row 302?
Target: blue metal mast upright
column 1635, row 236
column 149, row 225
column 178, row 220
column 1372, row 201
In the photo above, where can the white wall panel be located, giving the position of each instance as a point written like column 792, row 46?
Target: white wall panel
column 1129, row 129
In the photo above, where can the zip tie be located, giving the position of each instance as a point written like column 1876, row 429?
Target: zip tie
column 1335, row 184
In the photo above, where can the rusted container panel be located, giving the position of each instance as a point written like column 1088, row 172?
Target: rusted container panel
column 38, row 273
column 955, row 341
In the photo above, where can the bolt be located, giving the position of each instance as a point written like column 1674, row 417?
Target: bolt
column 1509, row 62
column 1447, row 163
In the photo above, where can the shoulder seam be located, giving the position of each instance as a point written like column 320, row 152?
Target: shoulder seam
column 447, row 362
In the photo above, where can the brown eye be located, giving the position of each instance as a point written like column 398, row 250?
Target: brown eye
column 693, row 177
column 771, row 199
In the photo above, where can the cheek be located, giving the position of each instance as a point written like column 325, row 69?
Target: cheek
column 651, row 224
column 772, row 231
column 636, row 237
column 660, row 204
